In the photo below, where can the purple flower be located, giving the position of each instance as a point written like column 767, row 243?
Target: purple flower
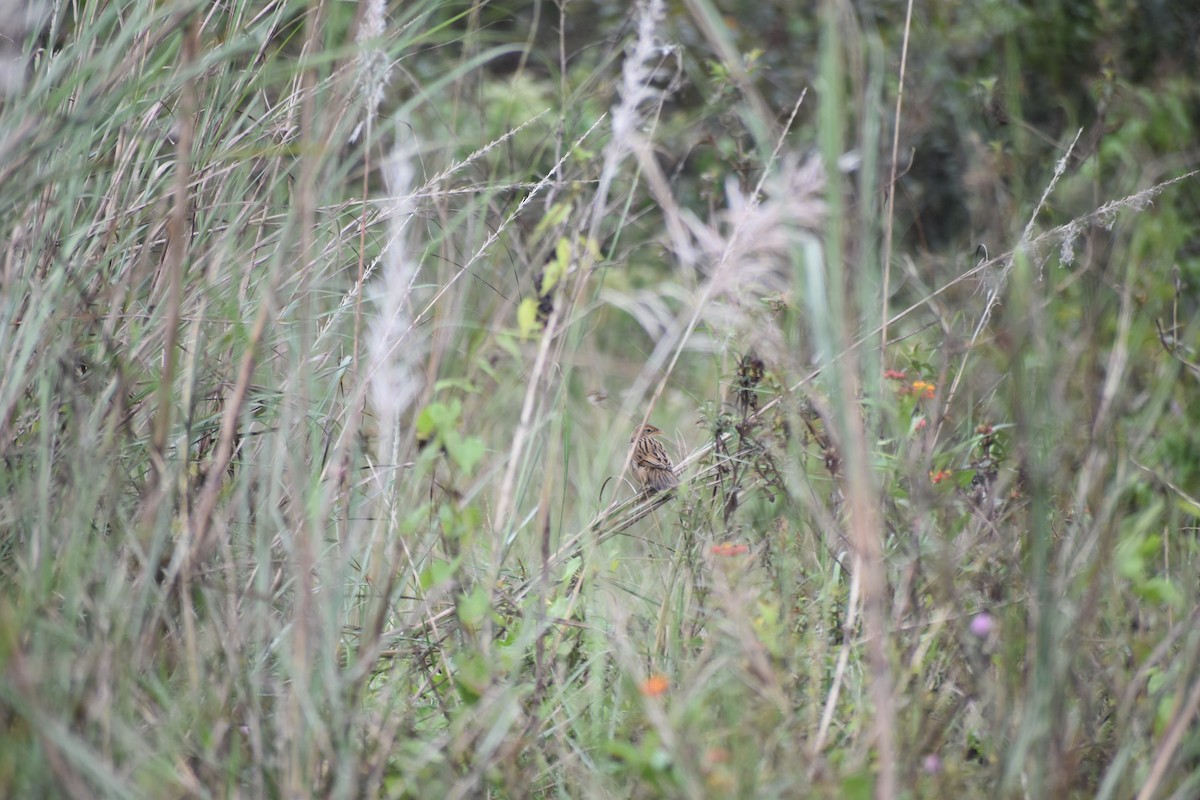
column 982, row 624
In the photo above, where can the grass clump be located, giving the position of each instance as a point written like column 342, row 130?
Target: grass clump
column 325, row 327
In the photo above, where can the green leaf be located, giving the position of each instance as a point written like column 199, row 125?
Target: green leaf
column 767, row 625
column 1160, row 591
column 557, row 269
column 527, row 321
column 466, row 452
column 659, row 760
column 569, row 571
column 471, row 676
column 559, row 607
column 473, row 607
column 438, row 423
column 592, row 248
column 1188, row 507
column 508, row 344
column 622, row 751
column 554, row 216
column 858, row 786
column 425, row 424
column 437, row 573
column 438, row 418
column 1128, row 559
column 1164, row 714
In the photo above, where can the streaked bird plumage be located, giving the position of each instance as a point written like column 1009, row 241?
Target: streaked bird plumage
column 651, row 465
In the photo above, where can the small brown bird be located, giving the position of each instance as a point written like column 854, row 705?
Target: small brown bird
column 651, row 464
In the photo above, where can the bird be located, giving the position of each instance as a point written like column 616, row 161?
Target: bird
column 651, row 464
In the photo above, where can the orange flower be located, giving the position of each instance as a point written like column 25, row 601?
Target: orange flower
column 924, row 389
column 939, row 476
column 656, row 685
column 729, row 549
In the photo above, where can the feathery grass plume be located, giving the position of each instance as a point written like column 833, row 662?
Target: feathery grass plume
column 761, row 232
column 427, row 190
column 635, row 89
column 752, row 244
column 374, row 71
column 747, row 249
column 1105, row 216
column 636, row 74
column 391, row 341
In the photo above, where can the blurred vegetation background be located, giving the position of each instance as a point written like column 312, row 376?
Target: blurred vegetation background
column 325, row 325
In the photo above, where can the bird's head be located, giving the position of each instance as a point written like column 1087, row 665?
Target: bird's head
column 645, row 430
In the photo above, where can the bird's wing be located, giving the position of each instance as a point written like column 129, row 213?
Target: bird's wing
column 652, row 455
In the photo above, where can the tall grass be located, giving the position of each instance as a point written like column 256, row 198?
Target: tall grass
column 322, row 338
